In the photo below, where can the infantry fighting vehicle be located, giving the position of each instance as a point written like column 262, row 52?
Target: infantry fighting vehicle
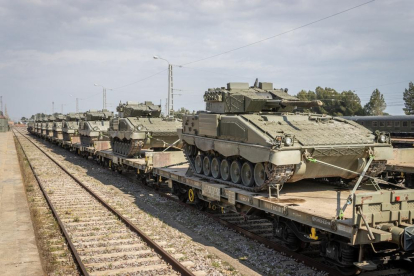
column 57, row 127
column 49, row 126
column 31, row 124
column 140, row 126
column 43, row 125
column 70, row 127
column 249, row 138
column 94, row 126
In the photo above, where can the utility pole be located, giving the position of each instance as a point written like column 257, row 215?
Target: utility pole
column 53, row 107
column 104, row 99
column 1, row 103
column 170, row 87
column 166, row 107
column 77, row 105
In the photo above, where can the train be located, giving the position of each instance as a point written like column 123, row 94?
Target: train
column 362, row 225
column 400, row 127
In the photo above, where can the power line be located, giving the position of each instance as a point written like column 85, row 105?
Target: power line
column 253, row 43
column 280, row 34
column 153, row 75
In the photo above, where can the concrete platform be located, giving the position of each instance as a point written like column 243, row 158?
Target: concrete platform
column 18, row 251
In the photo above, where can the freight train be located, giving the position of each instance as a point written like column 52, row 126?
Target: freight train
column 355, row 229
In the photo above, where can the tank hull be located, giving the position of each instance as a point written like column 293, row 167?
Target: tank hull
column 256, row 143
column 130, row 135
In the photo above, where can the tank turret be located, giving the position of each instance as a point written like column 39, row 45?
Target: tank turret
column 70, row 117
column 95, row 115
column 240, row 98
column 135, row 109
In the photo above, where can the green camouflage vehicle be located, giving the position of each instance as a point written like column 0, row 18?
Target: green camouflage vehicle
column 249, row 138
column 140, row 126
column 70, row 127
column 57, row 127
column 94, row 126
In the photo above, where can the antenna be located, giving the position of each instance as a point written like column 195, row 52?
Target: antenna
column 256, row 83
column 77, row 105
column 53, row 107
column 1, row 103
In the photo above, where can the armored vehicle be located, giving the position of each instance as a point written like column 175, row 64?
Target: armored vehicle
column 57, row 127
column 140, row 126
column 94, row 126
column 31, row 124
column 43, row 125
column 49, row 126
column 70, row 127
column 249, row 138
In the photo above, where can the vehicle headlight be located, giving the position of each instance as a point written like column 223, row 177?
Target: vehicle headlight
column 382, row 138
column 139, row 127
column 288, row 141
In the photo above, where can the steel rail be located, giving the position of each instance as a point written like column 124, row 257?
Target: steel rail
column 55, row 214
column 275, row 246
column 164, row 254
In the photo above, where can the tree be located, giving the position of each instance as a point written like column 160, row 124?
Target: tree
column 376, row 104
column 409, row 99
column 346, row 103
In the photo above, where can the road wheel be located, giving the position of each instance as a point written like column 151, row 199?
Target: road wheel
column 235, row 171
column 247, row 172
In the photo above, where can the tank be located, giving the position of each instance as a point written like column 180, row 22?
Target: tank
column 57, row 127
column 251, row 138
column 94, row 126
column 31, row 124
column 70, row 127
column 43, row 125
column 49, row 126
column 140, row 126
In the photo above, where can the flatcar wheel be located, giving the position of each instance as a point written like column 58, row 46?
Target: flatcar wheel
column 259, row 174
column 207, row 165
column 225, row 169
column 247, row 174
column 235, row 171
column 215, row 167
column 199, row 163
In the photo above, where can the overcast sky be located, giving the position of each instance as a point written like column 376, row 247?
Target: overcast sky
column 51, row 50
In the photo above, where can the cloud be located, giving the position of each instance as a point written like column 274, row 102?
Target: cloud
column 51, row 49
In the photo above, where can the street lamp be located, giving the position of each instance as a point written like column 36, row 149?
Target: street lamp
column 170, row 83
column 103, row 94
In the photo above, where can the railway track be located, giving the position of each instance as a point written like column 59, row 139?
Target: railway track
column 260, row 230
column 102, row 241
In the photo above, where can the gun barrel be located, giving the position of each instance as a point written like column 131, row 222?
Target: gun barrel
column 283, row 103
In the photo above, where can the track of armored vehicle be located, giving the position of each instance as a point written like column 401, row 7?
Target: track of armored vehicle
column 140, row 126
column 250, row 139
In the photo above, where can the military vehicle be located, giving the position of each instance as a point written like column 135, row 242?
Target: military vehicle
column 49, row 126
column 250, row 138
column 43, row 125
column 39, row 117
column 140, row 126
column 94, row 126
column 70, row 127
column 57, row 127
column 31, row 124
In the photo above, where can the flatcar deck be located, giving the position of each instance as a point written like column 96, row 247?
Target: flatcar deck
column 308, row 202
